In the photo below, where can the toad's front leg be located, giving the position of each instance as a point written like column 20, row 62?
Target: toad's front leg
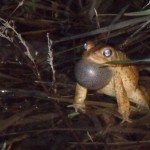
column 79, row 100
column 122, row 99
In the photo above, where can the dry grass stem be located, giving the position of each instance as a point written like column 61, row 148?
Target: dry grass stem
column 50, row 61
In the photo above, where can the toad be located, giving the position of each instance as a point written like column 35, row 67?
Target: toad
column 123, row 84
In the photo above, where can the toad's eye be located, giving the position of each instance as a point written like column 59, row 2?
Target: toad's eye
column 107, row 52
column 85, row 46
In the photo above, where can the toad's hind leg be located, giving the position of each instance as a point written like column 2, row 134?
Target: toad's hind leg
column 122, row 99
column 141, row 97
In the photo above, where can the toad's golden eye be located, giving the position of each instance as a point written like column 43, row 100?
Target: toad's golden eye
column 85, row 46
column 107, row 52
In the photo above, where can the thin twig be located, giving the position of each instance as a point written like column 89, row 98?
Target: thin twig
column 19, row 5
column 97, row 19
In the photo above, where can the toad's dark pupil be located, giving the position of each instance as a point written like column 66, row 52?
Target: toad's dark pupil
column 107, row 53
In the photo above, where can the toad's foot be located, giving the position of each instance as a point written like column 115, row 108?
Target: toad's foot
column 125, row 112
column 78, row 107
column 126, row 120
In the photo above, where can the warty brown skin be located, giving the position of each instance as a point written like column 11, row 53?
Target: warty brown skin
column 123, row 85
